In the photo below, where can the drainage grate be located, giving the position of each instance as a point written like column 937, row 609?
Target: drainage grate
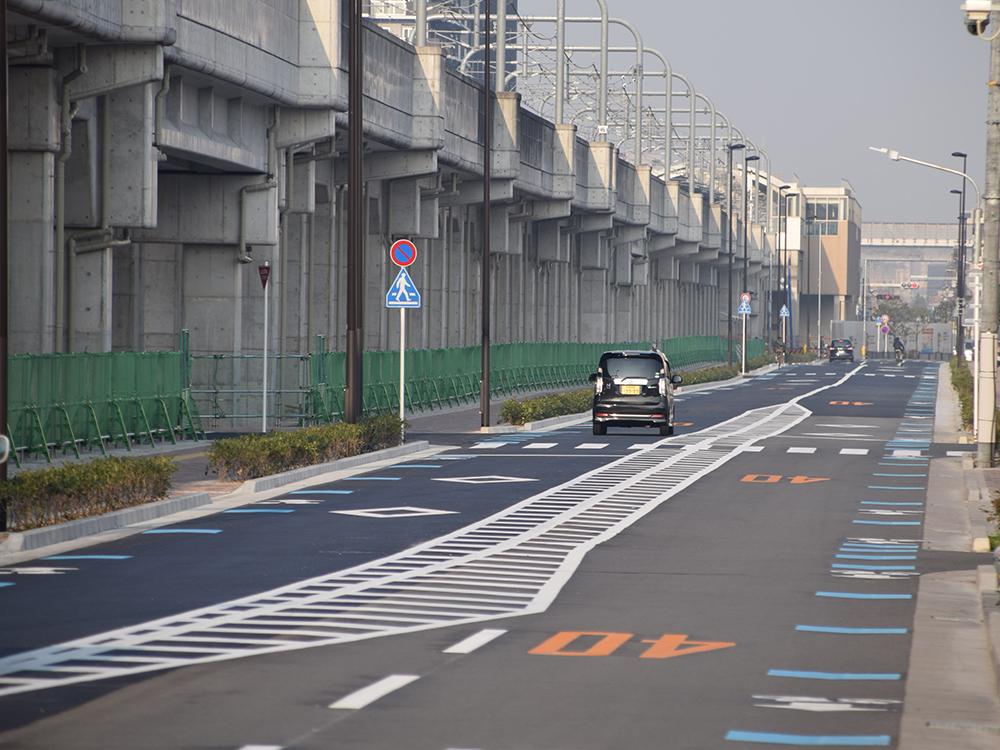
column 512, row 563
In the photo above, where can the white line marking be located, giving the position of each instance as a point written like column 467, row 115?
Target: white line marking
column 957, row 454
column 850, row 426
column 540, row 446
column 591, row 446
column 839, row 434
column 853, row 451
column 474, row 641
column 261, row 747
column 905, row 453
column 753, row 449
column 457, row 573
column 487, row 446
column 640, row 446
column 800, row 450
column 365, row 696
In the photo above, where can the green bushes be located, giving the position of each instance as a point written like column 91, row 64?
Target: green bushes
column 961, row 380
column 515, row 411
column 77, row 490
column 252, row 456
column 709, row 374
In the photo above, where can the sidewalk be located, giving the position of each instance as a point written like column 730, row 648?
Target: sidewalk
column 952, row 693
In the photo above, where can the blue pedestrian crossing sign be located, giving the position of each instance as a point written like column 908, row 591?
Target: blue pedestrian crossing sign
column 403, row 292
column 784, row 312
column 744, row 308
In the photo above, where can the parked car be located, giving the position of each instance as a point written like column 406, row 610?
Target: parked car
column 634, row 389
column 841, row 349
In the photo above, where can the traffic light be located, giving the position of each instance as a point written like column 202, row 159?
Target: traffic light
column 887, row 296
column 909, row 285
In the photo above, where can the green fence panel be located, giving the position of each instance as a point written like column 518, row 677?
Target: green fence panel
column 64, row 402
column 438, row 378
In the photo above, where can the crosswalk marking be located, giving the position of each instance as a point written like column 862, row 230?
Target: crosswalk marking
column 853, row 451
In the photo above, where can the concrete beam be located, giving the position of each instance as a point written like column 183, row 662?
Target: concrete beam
column 115, row 67
column 395, row 165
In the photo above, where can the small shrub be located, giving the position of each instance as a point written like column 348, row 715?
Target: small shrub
column 77, row 490
column 961, row 381
column 521, row 411
column 253, row 456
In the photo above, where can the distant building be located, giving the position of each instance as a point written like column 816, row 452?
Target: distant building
column 827, row 231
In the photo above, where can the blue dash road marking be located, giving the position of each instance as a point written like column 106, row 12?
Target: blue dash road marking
column 322, row 492
column 371, row 479
column 887, row 523
column 183, row 531
column 88, row 557
column 811, row 740
column 875, row 557
column 833, row 675
column 849, row 631
column 5, row 585
column 849, row 595
column 856, row 566
column 256, row 510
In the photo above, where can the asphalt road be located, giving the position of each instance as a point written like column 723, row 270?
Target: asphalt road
column 749, row 582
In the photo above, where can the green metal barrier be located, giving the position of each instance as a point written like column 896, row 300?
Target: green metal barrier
column 65, row 402
column 437, row 378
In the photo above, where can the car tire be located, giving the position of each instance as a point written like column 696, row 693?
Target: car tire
column 600, row 428
column 666, row 430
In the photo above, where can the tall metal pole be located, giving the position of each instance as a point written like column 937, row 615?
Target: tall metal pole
column 991, row 247
column 560, row 58
column 819, row 292
column 420, row 34
column 501, row 78
column 354, row 399
column 4, row 276
column 960, row 267
column 484, row 295
column 746, row 259
column 729, row 246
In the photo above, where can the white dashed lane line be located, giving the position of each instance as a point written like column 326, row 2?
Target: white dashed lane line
column 475, row 641
column 853, row 451
column 800, row 450
column 591, row 446
column 368, row 695
column 540, row 446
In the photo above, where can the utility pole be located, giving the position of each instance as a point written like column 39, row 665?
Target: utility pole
column 4, row 276
column 960, row 264
column 354, row 398
column 484, row 292
column 991, row 246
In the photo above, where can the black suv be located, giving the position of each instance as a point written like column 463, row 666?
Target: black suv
column 634, row 389
column 841, row 349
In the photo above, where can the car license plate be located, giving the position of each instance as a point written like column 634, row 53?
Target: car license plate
column 631, row 390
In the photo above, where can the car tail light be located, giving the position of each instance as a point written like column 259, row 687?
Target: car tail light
column 598, row 385
column 663, row 386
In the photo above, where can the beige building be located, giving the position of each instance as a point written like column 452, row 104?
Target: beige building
column 824, row 237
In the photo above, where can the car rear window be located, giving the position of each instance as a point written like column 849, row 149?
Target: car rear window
column 840, row 342
column 632, row 367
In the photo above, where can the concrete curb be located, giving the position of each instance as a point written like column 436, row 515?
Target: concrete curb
column 308, row 472
column 67, row 532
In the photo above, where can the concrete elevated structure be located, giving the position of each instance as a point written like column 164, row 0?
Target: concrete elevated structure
column 161, row 149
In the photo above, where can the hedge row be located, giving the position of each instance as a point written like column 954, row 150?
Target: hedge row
column 520, row 411
column 961, row 380
column 77, row 490
column 253, row 456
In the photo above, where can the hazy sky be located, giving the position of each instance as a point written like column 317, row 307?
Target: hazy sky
column 815, row 82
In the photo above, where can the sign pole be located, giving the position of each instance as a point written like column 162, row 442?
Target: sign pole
column 402, row 373
column 743, row 358
column 265, row 272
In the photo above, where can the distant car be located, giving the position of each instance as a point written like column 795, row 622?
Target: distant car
column 841, row 349
column 634, row 389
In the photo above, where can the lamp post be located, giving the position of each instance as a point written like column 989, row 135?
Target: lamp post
column 747, row 158
column 729, row 240
column 781, row 273
column 960, row 263
column 484, row 265
column 354, row 396
column 788, row 271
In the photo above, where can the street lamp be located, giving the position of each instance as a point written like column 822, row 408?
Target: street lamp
column 781, row 232
column 747, row 158
column 729, row 239
column 788, row 269
column 960, row 263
